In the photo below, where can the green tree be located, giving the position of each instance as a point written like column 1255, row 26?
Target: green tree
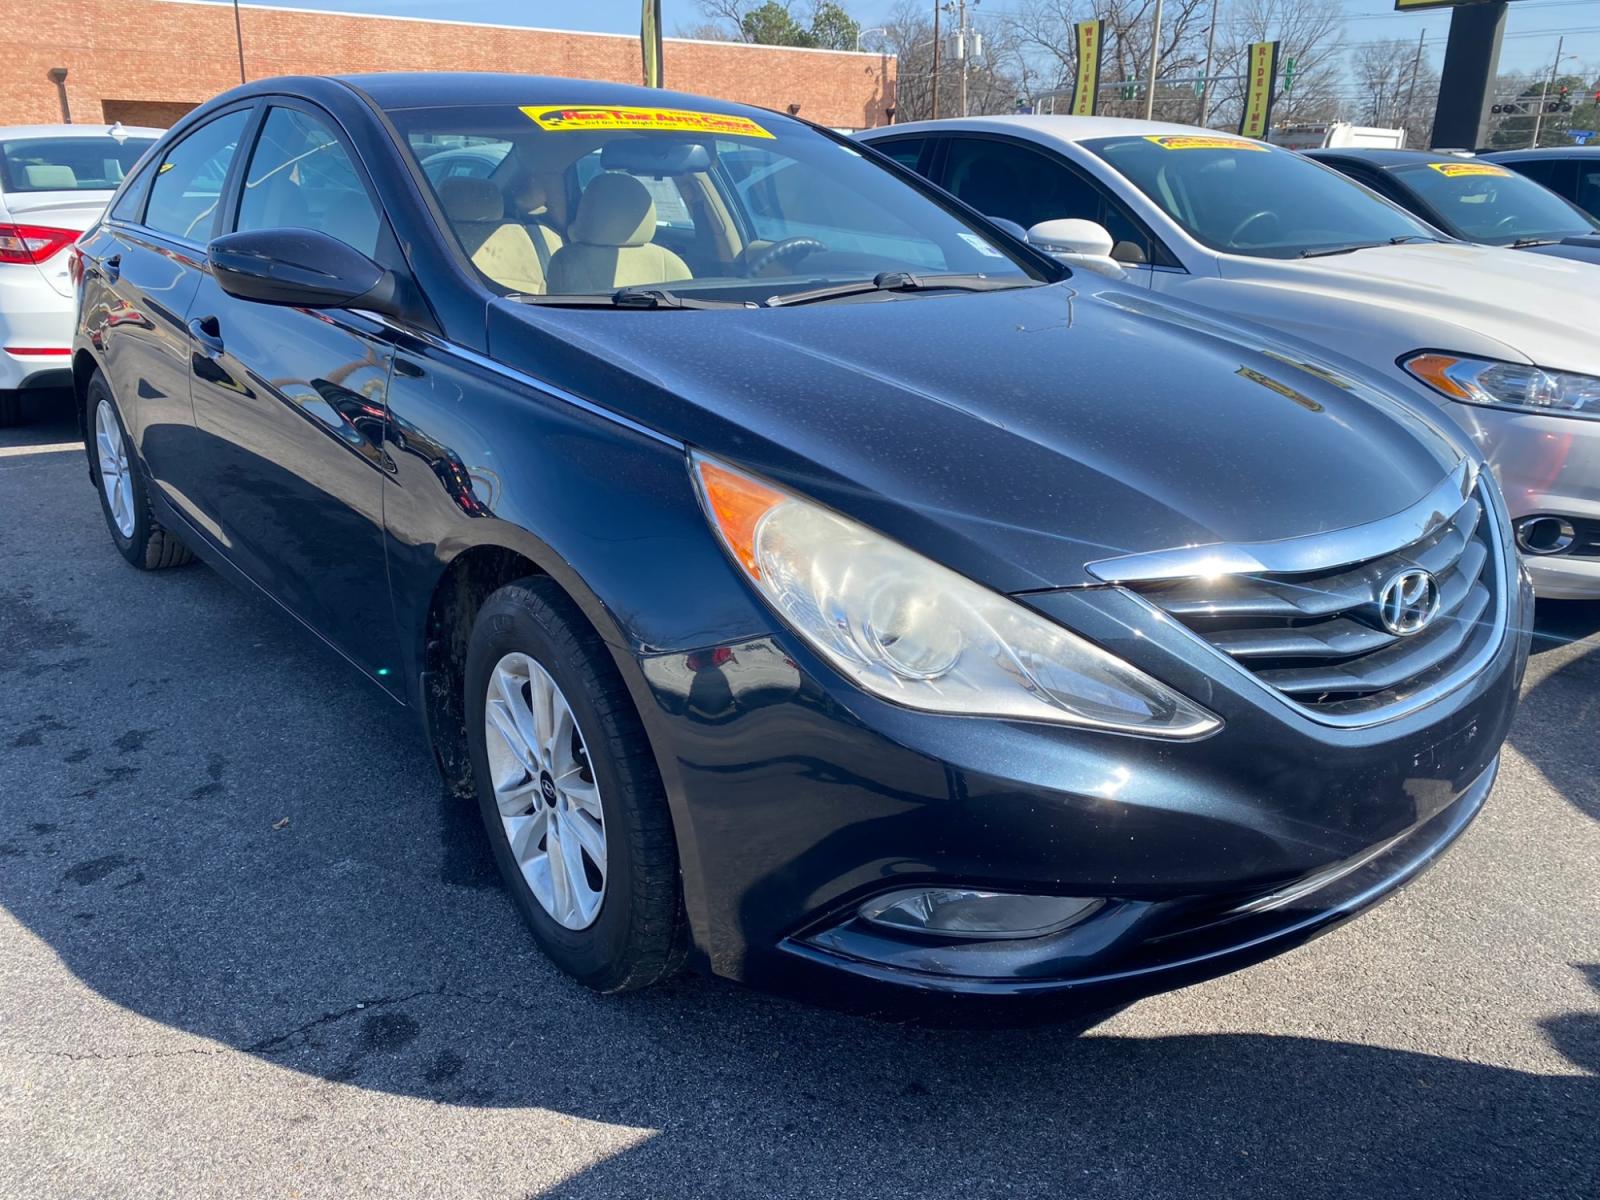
column 832, row 28
column 774, row 25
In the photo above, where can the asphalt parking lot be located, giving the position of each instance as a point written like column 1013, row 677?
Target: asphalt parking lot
column 246, row 949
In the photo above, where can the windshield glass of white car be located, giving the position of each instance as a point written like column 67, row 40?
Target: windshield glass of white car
column 1240, row 197
column 1490, row 204
column 68, row 164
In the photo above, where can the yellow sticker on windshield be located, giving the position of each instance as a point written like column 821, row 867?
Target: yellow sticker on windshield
column 673, row 120
column 1452, row 170
column 1200, row 141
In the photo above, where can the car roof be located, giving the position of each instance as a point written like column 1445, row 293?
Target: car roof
column 1383, row 156
column 1054, row 128
column 30, row 131
column 1544, row 152
column 394, row 91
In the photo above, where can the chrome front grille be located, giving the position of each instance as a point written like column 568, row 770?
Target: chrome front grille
column 1316, row 635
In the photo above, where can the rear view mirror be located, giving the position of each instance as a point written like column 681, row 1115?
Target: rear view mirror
column 301, row 268
column 649, row 156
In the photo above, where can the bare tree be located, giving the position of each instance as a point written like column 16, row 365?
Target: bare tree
column 1394, row 88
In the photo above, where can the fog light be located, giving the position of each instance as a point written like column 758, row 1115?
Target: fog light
column 960, row 912
column 1545, row 535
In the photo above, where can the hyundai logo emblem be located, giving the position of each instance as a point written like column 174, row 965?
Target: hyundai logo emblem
column 1408, row 602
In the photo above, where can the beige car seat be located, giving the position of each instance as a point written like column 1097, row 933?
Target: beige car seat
column 610, row 242
column 503, row 250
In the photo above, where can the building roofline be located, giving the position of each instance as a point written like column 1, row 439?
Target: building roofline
column 368, row 16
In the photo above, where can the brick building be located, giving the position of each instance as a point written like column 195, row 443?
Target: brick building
column 147, row 62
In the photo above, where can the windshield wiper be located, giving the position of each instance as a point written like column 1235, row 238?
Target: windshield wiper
column 899, row 281
column 1351, row 249
column 1524, row 243
column 629, row 297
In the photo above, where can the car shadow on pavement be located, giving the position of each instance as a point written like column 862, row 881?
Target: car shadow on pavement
column 213, row 824
column 1558, row 724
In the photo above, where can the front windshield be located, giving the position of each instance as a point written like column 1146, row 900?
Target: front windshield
column 1485, row 203
column 551, row 202
column 1242, row 197
column 68, row 164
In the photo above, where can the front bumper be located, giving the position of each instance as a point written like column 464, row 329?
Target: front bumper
column 796, row 798
column 1546, row 466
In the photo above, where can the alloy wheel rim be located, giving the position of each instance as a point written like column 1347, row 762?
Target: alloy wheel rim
column 545, row 791
column 115, row 479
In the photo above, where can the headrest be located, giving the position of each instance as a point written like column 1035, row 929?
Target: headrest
column 51, row 175
column 616, row 210
column 531, row 196
column 467, row 199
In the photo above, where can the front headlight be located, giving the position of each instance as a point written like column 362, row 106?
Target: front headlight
column 918, row 634
column 1507, row 385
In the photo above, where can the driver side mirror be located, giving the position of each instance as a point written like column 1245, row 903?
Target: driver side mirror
column 1077, row 242
column 301, row 268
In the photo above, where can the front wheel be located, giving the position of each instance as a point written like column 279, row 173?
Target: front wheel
column 139, row 537
column 569, row 792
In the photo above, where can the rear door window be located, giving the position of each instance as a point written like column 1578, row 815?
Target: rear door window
column 188, row 183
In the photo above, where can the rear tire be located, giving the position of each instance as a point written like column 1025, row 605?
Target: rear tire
column 119, row 482
column 608, row 816
column 10, row 408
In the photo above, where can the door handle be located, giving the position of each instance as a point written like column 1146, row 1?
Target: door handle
column 112, row 267
column 208, row 332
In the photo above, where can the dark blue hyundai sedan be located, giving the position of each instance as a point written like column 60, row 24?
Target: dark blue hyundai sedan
column 804, row 578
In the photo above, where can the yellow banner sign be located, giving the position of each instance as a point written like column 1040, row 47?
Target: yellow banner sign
column 1452, row 170
column 1091, row 37
column 674, row 120
column 1261, row 86
column 1200, row 141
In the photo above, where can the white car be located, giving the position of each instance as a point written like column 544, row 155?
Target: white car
column 1505, row 342
column 54, row 181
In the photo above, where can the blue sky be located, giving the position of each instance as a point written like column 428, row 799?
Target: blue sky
column 1530, row 44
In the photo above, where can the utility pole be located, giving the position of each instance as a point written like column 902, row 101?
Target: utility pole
column 1416, row 68
column 968, row 43
column 1155, row 64
column 936, row 7
column 1544, row 93
column 1205, row 76
column 238, row 38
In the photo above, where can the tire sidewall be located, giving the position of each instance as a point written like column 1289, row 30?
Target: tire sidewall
column 131, row 548
column 504, row 627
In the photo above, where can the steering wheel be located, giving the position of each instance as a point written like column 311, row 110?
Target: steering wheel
column 1238, row 230
column 788, row 248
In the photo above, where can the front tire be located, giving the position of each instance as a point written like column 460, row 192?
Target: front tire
column 569, row 792
column 124, row 499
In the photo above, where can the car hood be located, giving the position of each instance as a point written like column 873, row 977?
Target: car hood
column 1542, row 308
column 1015, row 435
column 1583, row 248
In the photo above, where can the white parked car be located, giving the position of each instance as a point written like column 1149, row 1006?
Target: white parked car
column 1503, row 341
column 54, row 182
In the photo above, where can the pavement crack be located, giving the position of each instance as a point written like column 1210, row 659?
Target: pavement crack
column 287, row 1040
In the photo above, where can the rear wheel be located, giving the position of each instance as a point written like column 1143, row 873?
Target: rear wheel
column 139, row 537
column 569, row 792
column 10, row 408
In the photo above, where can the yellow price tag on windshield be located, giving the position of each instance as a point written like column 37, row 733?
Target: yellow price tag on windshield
column 1452, row 170
column 1197, row 141
column 560, row 118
